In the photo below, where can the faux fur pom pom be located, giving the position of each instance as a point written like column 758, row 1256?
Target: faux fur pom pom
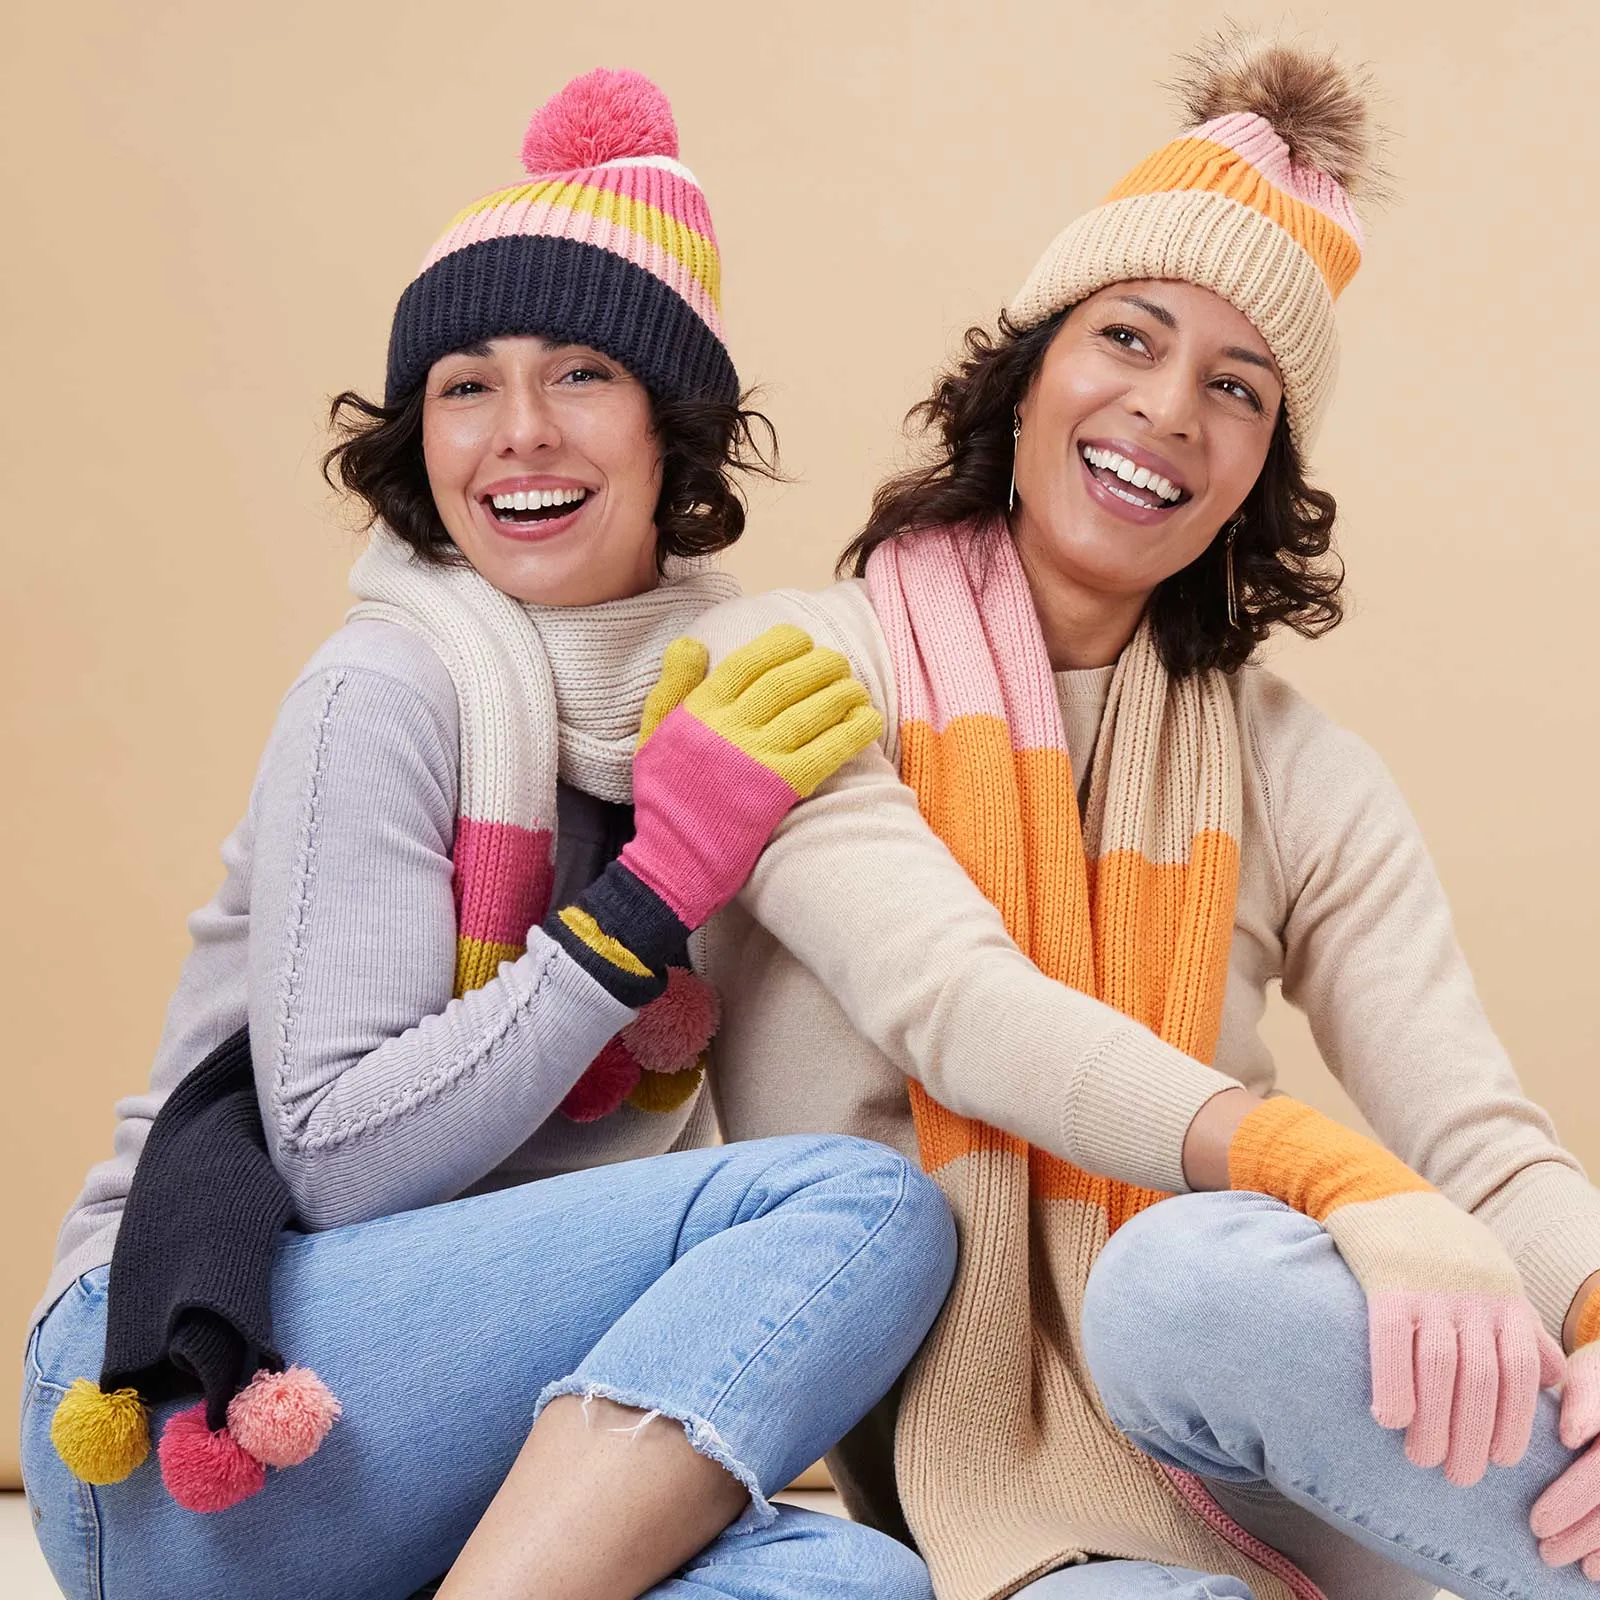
column 1319, row 106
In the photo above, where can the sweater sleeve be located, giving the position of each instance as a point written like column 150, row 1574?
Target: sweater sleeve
column 380, row 1092
column 859, row 888
column 1371, row 957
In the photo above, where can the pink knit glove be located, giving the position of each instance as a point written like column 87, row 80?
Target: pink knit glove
column 1458, row 1353
column 1566, row 1517
column 723, row 757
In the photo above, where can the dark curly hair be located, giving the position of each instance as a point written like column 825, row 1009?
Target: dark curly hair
column 1283, row 570
column 700, row 510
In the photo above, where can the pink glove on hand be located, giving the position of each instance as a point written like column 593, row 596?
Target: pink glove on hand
column 1566, row 1517
column 1458, row 1353
column 724, row 757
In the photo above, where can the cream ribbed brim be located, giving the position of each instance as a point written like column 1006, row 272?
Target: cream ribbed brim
column 1207, row 239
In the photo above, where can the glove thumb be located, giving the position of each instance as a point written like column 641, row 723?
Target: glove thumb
column 683, row 669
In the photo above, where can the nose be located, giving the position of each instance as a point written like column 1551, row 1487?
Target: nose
column 1167, row 397
column 527, row 422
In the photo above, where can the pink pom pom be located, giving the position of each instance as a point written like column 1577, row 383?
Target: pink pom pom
column 602, row 116
column 669, row 1034
column 606, row 1083
column 281, row 1417
column 206, row 1471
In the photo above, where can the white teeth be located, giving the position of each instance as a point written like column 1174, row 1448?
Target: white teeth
column 1131, row 473
column 537, row 499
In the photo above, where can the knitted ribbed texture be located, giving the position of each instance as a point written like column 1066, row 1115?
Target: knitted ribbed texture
column 544, row 692
column 610, row 245
column 190, row 1286
column 1226, row 207
column 1007, row 1465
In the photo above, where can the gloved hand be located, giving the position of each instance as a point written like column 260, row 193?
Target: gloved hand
column 1458, row 1353
column 722, row 759
column 1566, row 1517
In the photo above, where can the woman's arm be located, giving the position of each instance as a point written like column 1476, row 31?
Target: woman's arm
column 369, row 1110
column 1371, row 956
column 858, row 887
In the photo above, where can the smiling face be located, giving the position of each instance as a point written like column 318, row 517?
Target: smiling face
column 1142, row 432
column 545, row 468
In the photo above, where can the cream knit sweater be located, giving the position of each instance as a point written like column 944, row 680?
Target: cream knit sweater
column 860, row 953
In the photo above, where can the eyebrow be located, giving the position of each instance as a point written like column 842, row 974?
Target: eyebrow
column 1167, row 320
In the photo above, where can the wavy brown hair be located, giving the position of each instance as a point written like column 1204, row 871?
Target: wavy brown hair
column 1284, row 570
column 700, row 509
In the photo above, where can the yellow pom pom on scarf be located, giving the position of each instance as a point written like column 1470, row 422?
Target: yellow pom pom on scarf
column 101, row 1437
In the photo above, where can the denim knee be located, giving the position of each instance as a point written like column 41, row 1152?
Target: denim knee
column 1198, row 1277
column 919, row 1210
column 884, row 1568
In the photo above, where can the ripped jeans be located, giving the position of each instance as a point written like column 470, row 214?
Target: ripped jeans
column 763, row 1294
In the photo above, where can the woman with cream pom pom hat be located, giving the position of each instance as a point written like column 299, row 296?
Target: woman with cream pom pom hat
column 1093, row 834
column 443, row 1005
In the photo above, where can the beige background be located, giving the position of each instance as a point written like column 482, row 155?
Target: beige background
column 210, row 208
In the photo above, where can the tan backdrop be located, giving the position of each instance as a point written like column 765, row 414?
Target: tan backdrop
column 210, row 208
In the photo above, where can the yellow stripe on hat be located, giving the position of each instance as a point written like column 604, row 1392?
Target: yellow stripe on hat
column 684, row 244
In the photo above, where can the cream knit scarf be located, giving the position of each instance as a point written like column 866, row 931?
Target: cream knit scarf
column 544, row 692
column 1007, row 1465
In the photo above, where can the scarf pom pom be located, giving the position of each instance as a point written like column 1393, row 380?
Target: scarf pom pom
column 206, row 1471
column 281, row 1418
column 661, row 1092
column 101, row 1437
column 669, row 1034
column 605, row 1084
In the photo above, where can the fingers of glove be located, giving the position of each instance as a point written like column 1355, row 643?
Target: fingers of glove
column 785, row 685
column 1580, row 1405
column 683, row 668
column 1521, row 1375
column 1591, row 1568
column 731, row 677
column 1552, row 1360
column 1576, row 1544
column 1428, row 1438
column 1477, row 1393
column 823, row 756
column 814, row 715
column 1574, row 1496
column 1392, row 1333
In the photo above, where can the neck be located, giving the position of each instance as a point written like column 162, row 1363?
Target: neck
column 1081, row 628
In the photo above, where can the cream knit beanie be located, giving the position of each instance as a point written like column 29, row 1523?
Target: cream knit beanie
column 1253, row 203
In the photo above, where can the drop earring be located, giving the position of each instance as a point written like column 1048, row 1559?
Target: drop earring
column 1233, row 592
column 1016, row 434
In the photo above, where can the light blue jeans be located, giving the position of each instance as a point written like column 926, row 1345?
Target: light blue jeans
column 1229, row 1340
column 764, row 1294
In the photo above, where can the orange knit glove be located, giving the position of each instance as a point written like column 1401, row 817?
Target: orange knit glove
column 1458, row 1353
column 1566, row 1517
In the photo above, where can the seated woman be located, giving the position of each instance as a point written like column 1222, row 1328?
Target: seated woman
column 1054, row 899
column 454, row 923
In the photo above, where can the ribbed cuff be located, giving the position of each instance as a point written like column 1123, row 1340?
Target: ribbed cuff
column 1548, row 1218
column 632, row 914
column 1129, row 1105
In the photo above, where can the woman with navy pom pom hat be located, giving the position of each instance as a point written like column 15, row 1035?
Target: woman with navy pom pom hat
column 415, row 1256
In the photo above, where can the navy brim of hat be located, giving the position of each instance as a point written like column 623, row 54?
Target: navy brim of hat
column 566, row 291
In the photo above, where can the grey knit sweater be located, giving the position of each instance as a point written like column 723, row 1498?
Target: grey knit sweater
column 334, row 936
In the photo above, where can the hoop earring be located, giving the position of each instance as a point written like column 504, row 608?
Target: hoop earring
column 1233, row 590
column 1016, row 434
